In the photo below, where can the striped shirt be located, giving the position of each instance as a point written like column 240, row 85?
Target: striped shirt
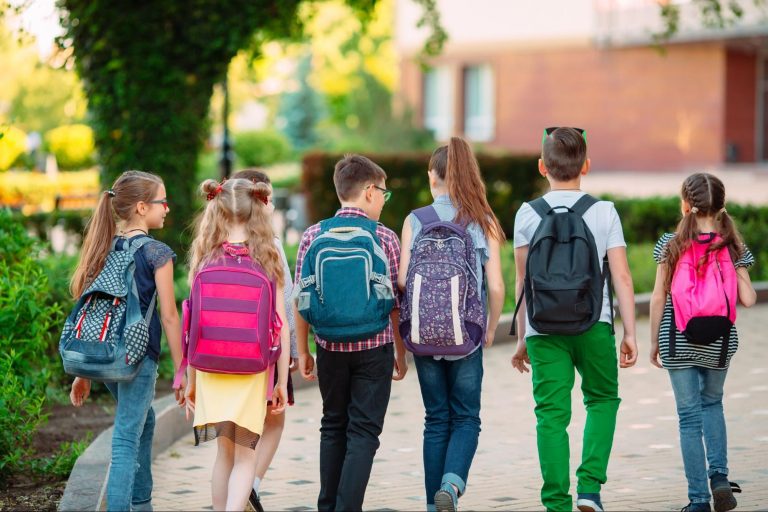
column 687, row 354
column 391, row 245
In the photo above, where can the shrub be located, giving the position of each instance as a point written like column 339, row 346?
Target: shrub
column 28, row 320
column 13, row 144
column 73, row 145
column 61, row 463
column 261, row 147
column 510, row 179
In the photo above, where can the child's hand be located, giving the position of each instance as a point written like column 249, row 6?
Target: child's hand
column 655, row 361
column 306, row 366
column 294, row 364
column 628, row 352
column 189, row 400
column 401, row 366
column 279, row 398
column 489, row 336
column 520, row 359
column 81, row 388
column 180, row 392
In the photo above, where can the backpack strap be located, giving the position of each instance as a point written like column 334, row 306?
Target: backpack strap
column 427, row 215
column 540, row 206
column 513, row 328
column 584, row 203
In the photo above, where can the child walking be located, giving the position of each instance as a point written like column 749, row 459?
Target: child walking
column 345, row 268
column 707, row 245
column 273, row 423
column 138, row 200
column 568, row 323
column 451, row 384
column 231, row 408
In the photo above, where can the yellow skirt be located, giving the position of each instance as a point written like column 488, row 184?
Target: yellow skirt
column 233, row 406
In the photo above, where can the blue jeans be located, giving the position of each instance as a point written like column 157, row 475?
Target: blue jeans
column 129, row 486
column 699, row 398
column 451, row 394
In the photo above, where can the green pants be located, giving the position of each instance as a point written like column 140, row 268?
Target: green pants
column 553, row 360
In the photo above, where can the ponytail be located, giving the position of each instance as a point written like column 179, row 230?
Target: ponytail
column 467, row 189
column 99, row 231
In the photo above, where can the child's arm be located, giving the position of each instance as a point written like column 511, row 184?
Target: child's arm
column 520, row 358
column 306, row 361
column 169, row 317
column 401, row 364
column 405, row 254
column 495, row 285
column 658, row 298
column 280, row 395
column 622, row 284
column 747, row 294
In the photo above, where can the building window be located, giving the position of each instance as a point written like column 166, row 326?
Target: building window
column 479, row 103
column 439, row 102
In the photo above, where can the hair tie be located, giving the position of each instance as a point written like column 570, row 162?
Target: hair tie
column 694, row 209
column 215, row 192
column 110, row 193
column 722, row 210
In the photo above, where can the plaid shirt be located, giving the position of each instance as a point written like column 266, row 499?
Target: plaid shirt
column 391, row 245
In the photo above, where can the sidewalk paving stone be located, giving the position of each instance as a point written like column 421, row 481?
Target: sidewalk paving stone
column 645, row 472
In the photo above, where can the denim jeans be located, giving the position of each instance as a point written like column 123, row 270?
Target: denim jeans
column 699, row 398
column 129, row 485
column 450, row 391
column 355, row 387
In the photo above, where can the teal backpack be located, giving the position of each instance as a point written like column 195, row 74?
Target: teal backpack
column 106, row 336
column 345, row 292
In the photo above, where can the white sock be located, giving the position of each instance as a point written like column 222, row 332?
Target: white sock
column 256, row 482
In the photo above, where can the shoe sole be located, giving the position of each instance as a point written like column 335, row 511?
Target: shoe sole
column 591, row 507
column 724, row 499
column 444, row 502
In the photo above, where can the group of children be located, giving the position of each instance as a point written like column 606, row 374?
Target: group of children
column 361, row 338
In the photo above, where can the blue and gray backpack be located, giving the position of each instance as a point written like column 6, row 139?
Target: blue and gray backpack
column 106, row 336
column 345, row 291
column 442, row 312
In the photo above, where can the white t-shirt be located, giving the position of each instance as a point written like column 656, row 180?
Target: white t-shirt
column 602, row 220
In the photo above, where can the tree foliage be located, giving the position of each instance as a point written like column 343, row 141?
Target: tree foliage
column 714, row 14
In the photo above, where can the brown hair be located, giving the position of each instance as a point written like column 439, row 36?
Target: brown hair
column 457, row 166
column 253, row 174
column 706, row 194
column 352, row 173
column 564, row 152
column 119, row 202
column 241, row 201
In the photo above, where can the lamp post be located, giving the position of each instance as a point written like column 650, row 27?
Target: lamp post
column 227, row 158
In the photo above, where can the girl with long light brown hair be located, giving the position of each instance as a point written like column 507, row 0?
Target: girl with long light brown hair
column 134, row 205
column 450, row 385
column 232, row 408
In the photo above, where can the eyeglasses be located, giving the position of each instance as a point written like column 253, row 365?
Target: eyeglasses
column 549, row 131
column 163, row 202
column 387, row 193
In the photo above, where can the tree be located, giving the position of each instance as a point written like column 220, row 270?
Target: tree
column 149, row 69
column 716, row 14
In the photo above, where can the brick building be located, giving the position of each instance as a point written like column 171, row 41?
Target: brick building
column 512, row 67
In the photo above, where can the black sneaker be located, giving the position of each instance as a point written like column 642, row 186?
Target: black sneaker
column 722, row 492
column 254, row 502
column 696, row 507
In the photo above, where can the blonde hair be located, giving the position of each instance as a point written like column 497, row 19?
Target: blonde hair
column 119, row 202
column 235, row 201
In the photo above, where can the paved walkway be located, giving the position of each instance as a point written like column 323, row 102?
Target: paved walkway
column 645, row 472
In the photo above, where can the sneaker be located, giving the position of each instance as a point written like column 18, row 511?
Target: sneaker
column 446, row 499
column 722, row 492
column 589, row 502
column 254, row 502
column 696, row 507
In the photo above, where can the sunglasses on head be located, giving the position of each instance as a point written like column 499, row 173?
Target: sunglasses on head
column 549, row 131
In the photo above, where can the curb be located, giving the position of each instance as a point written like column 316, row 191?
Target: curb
column 86, row 486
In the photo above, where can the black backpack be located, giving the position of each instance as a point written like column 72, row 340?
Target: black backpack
column 563, row 282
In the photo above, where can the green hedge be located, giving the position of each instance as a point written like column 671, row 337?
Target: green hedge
column 510, row 179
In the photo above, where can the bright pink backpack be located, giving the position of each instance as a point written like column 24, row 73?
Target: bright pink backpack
column 704, row 296
column 229, row 323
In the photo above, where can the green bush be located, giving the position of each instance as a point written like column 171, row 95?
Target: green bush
column 510, row 179
column 28, row 319
column 73, row 145
column 261, row 147
column 61, row 463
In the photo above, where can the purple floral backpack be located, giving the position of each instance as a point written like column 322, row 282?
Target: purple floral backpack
column 442, row 312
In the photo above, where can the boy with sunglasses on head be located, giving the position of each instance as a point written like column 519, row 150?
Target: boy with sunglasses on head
column 568, row 326
column 345, row 270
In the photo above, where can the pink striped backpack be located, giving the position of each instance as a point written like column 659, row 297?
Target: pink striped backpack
column 704, row 294
column 229, row 323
